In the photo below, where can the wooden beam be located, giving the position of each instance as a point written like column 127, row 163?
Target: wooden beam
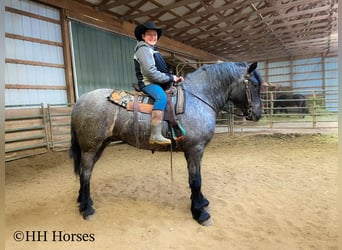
column 303, row 22
column 160, row 9
column 91, row 15
column 82, row 8
column 29, row 14
column 34, row 63
column 30, row 86
column 32, row 39
column 277, row 7
column 298, row 14
column 104, row 6
column 170, row 23
column 210, row 11
column 130, row 11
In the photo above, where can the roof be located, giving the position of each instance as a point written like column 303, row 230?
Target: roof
column 241, row 29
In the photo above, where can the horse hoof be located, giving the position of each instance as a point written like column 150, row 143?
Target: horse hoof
column 207, row 223
column 204, row 216
column 88, row 217
column 87, row 213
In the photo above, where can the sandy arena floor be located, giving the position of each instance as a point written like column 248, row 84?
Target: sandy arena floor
column 266, row 192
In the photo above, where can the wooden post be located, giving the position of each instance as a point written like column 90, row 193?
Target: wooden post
column 271, row 109
column 67, row 58
column 231, row 118
column 314, row 111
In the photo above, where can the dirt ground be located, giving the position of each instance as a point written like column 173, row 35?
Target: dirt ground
column 265, row 191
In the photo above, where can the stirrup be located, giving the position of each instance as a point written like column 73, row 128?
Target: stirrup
column 180, row 134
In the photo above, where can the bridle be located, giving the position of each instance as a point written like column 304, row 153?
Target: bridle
column 245, row 81
column 248, row 94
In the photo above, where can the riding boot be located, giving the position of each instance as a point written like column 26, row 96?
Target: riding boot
column 156, row 128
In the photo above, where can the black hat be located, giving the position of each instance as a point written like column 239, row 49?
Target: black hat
column 141, row 29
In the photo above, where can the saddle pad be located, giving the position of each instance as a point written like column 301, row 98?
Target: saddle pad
column 142, row 102
column 123, row 97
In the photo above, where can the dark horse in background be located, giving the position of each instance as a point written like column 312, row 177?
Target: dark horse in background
column 95, row 122
column 286, row 101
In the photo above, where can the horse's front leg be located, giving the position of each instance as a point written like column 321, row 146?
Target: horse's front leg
column 198, row 201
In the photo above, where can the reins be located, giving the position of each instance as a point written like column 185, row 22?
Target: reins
column 171, row 161
column 249, row 99
column 248, row 94
column 171, row 168
column 171, row 148
column 199, row 98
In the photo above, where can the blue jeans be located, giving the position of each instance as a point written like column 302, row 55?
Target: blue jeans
column 158, row 94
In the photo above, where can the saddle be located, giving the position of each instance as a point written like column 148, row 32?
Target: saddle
column 138, row 101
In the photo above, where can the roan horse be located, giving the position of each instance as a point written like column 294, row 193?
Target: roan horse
column 283, row 102
column 95, row 122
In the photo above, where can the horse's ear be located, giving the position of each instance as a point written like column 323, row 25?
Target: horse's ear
column 252, row 67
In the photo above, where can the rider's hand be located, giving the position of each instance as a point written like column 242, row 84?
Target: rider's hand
column 178, row 79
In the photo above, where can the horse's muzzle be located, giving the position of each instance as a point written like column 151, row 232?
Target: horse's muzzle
column 252, row 115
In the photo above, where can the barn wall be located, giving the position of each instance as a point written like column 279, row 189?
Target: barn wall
column 309, row 73
column 37, row 71
column 101, row 59
column 34, row 63
column 306, row 76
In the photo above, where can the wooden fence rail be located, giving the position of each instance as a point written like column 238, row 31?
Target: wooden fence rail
column 59, row 121
column 25, row 131
column 33, row 129
column 322, row 113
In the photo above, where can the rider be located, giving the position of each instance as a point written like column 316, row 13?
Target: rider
column 152, row 74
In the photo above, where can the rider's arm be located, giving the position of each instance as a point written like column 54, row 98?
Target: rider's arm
column 144, row 55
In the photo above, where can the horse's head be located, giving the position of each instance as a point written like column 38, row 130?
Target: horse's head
column 246, row 93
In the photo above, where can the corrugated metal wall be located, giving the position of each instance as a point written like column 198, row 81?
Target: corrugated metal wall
column 331, row 82
column 34, row 69
column 312, row 73
column 306, row 76
column 101, row 59
column 279, row 72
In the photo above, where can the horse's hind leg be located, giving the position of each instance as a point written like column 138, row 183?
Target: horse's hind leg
column 303, row 110
column 198, row 201
column 88, row 161
column 87, row 165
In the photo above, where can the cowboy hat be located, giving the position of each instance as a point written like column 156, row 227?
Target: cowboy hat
column 141, row 29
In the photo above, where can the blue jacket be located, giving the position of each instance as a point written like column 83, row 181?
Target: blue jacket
column 150, row 66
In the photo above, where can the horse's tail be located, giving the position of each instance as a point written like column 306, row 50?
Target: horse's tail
column 75, row 152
